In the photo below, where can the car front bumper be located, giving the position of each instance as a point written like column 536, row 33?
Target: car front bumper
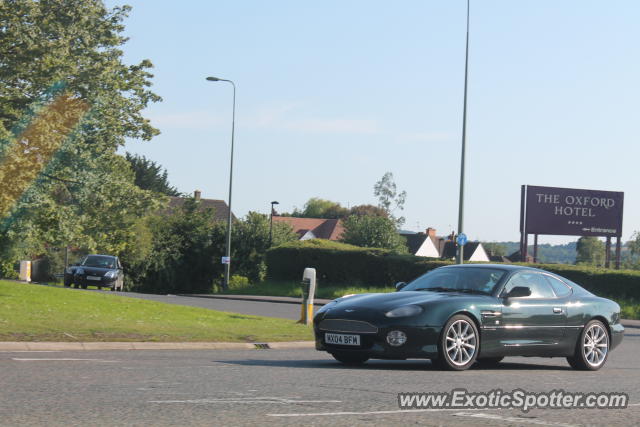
column 422, row 343
column 104, row 281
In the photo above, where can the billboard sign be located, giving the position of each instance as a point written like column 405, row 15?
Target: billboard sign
column 572, row 212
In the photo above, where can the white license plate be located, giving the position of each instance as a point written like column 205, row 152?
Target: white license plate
column 341, row 339
column 94, row 278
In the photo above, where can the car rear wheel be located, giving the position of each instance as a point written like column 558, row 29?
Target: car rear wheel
column 459, row 344
column 350, row 359
column 592, row 347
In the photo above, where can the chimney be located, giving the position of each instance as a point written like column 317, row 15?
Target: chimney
column 196, row 195
column 431, row 232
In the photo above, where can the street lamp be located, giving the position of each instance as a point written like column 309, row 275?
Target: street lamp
column 271, row 223
column 227, row 266
column 460, row 254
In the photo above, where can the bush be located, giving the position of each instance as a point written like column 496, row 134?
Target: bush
column 342, row 264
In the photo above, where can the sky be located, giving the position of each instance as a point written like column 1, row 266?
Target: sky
column 333, row 94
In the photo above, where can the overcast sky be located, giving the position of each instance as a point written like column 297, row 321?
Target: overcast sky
column 333, row 94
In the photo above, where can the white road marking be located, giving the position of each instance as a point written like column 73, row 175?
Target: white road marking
column 62, row 359
column 280, row 400
column 518, row 420
column 397, row 411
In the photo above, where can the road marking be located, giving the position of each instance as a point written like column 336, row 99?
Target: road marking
column 63, row 359
column 280, row 400
column 31, row 351
column 398, row 411
column 518, row 420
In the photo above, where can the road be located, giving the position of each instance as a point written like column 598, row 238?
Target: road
column 286, row 387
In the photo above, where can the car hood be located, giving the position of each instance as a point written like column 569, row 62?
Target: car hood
column 95, row 271
column 389, row 301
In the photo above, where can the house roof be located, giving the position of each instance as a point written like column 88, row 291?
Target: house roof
column 330, row 229
column 221, row 210
column 449, row 249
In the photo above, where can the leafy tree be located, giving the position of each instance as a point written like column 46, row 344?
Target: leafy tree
column 321, row 208
column 388, row 197
column 590, row 250
column 373, row 232
column 68, row 102
column 368, row 210
column 150, row 176
column 634, row 243
column 495, row 249
column 250, row 241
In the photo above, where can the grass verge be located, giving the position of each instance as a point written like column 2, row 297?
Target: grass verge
column 42, row 313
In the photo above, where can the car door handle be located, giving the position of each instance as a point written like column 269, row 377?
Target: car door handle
column 557, row 310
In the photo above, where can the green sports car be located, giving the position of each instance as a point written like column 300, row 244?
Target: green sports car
column 475, row 313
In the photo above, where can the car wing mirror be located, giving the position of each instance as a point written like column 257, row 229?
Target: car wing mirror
column 519, row 292
column 400, row 285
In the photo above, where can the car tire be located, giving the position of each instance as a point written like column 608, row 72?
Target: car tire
column 350, row 359
column 67, row 281
column 489, row 361
column 459, row 344
column 84, row 286
column 592, row 348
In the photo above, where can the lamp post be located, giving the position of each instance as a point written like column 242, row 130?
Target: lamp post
column 227, row 266
column 271, row 223
column 460, row 253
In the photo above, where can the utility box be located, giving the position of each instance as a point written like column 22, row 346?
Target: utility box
column 25, row 271
column 308, row 295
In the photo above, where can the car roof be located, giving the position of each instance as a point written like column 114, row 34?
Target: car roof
column 508, row 267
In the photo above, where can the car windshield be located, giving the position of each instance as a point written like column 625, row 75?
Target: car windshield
column 464, row 279
column 99, row 261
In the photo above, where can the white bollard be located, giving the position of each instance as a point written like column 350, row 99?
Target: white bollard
column 308, row 294
column 25, row 271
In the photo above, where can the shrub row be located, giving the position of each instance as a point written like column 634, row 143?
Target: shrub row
column 340, row 264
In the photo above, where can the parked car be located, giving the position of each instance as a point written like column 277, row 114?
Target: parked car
column 103, row 271
column 459, row 315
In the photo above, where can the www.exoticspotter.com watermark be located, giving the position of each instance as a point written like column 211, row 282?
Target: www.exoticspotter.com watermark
column 515, row 399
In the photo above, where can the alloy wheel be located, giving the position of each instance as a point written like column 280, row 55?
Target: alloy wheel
column 461, row 342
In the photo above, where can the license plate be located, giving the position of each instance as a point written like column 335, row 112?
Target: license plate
column 341, row 339
column 94, row 278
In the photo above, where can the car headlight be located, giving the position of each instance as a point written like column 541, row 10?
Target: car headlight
column 405, row 311
column 68, row 270
column 110, row 274
column 80, row 271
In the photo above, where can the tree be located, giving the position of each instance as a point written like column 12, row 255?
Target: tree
column 373, row 232
column 250, row 241
column 590, row 250
column 368, row 210
column 67, row 102
column 495, row 249
column 321, row 208
column 150, row 176
column 388, row 197
column 634, row 243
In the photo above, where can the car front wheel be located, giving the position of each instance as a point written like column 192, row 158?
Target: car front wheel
column 592, row 348
column 459, row 344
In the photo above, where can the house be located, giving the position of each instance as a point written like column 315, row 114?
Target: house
column 313, row 228
column 422, row 244
column 428, row 244
column 220, row 207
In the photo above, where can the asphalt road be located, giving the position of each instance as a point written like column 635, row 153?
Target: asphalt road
column 286, row 387
column 257, row 308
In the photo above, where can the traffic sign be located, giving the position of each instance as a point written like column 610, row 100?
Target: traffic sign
column 462, row 239
column 226, row 260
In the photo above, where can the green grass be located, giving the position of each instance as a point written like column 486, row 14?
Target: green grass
column 41, row 313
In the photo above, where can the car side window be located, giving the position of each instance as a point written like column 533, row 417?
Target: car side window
column 559, row 287
column 539, row 286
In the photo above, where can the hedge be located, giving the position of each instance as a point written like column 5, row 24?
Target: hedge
column 341, row 264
